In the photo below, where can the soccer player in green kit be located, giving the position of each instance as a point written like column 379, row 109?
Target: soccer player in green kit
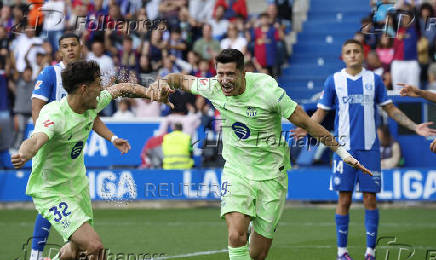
column 58, row 183
column 254, row 180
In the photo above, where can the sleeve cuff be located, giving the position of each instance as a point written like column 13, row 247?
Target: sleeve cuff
column 43, row 98
column 324, row 107
column 385, row 103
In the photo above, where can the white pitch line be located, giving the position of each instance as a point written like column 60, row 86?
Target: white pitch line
column 213, row 252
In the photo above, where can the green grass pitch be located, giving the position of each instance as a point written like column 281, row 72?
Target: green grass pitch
column 303, row 233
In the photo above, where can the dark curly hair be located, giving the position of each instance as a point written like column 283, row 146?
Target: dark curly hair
column 231, row 55
column 79, row 72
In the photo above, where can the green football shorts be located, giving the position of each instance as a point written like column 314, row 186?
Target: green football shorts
column 66, row 214
column 263, row 201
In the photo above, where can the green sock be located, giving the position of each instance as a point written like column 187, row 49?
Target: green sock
column 239, row 253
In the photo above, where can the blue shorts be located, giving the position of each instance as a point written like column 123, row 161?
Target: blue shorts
column 345, row 177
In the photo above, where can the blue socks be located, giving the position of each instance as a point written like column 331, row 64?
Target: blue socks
column 40, row 233
column 342, row 229
column 371, row 225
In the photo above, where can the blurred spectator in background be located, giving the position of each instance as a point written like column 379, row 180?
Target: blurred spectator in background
column 360, row 37
column 232, row 8
column 21, row 45
column 427, row 30
column 233, row 40
column 193, row 62
column 387, row 80
column 201, row 10
column 151, row 154
column 207, row 47
column 431, row 84
column 203, row 70
column 177, row 46
column 389, row 149
column 54, row 22
column 373, row 63
column 4, row 41
column 4, row 92
column 145, row 108
column 219, row 24
column 177, row 150
column 284, row 12
column 265, row 38
column 123, row 111
column 107, row 70
column 128, row 60
column 385, row 52
column 22, row 107
column 405, row 67
column 168, row 67
column 169, row 10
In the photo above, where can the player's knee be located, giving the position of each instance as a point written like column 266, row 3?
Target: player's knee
column 237, row 238
column 344, row 203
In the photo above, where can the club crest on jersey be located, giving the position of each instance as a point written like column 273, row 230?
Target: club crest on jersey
column 251, row 111
column 77, row 149
column 241, row 130
column 369, row 86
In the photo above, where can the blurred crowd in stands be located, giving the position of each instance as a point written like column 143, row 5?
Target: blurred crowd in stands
column 399, row 42
column 137, row 41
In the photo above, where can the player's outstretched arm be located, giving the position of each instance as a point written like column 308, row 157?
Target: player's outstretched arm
column 301, row 119
column 132, row 90
column 396, row 114
column 318, row 117
column 178, row 81
column 28, row 149
column 411, row 91
column 102, row 130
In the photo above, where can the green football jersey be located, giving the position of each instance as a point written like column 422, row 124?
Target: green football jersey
column 58, row 167
column 252, row 138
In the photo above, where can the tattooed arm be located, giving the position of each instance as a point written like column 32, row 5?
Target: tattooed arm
column 402, row 119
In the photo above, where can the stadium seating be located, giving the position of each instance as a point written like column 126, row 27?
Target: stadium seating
column 316, row 53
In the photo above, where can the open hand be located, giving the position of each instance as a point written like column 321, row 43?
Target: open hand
column 298, row 132
column 408, row 90
column 424, row 130
column 355, row 164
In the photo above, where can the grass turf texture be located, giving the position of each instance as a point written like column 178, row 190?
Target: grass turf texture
column 303, row 233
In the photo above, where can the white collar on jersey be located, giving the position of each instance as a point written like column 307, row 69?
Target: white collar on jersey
column 62, row 65
column 357, row 76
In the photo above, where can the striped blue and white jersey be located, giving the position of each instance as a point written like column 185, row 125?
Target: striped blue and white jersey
column 355, row 99
column 48, row 85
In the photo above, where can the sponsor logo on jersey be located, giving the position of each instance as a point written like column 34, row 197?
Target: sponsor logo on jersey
column 38, row 84
column 241, row 130
column 77, row 149
column 48, row 123
column 251, row 111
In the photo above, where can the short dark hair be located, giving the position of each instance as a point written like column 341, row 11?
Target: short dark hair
column 28, row 68
column 349, row 41
column 79, row 72
column 69, row 35
column 231, row 55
